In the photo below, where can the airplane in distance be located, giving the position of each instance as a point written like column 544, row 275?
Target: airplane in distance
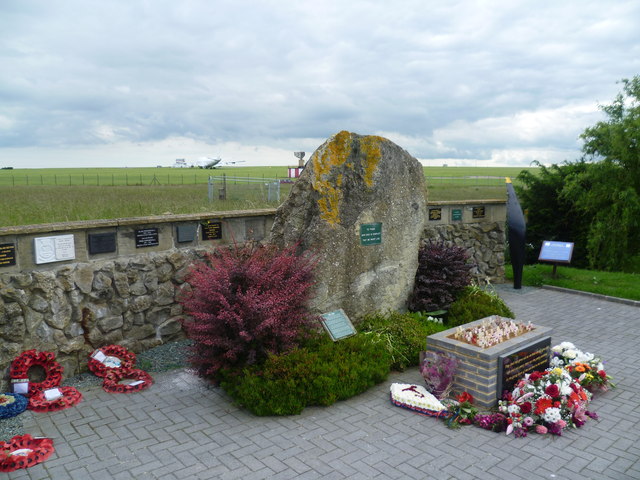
column 204, row 162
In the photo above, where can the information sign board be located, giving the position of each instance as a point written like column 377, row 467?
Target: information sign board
column 371, row 233
column 337, row 325
column 560, row 252
column 456, row 214
column 54, row 249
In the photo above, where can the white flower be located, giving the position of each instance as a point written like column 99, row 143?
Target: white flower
column 557, row 349
column 571, row 354
column 567, row 346
column 513, row 408
column 556, row 362
column 551, row 415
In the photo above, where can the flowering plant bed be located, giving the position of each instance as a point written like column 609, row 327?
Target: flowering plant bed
column 491, row 331
column 24, row 451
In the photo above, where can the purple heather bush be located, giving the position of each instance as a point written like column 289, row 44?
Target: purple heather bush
column 443, row 272
column 246, row 302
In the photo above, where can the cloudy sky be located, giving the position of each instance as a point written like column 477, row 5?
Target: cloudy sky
column 88, row 83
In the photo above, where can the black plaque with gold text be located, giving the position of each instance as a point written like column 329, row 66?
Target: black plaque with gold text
column 435, row 214
column 7, row 254
column 211, row 230
column 513, row 366
column 477, row 212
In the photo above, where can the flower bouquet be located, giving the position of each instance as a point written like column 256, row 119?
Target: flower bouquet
column 438, row 370
column 585, row 367
column 547, row 402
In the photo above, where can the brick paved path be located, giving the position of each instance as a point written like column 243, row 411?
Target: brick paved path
column 180, row 428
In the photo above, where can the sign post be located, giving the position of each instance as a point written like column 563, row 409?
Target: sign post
column 556, row 252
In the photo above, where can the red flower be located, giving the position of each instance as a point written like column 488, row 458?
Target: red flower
column 602, row 374
column 526, row 407
column 535, row 376
column 552, row 390
column 542, row 404
column 465, row 397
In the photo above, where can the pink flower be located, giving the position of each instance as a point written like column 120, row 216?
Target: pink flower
column 541, row 429
column 528, row 421
column 561, row 423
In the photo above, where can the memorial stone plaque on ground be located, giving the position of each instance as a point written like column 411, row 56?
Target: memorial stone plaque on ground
column 514, row 365
column 147, row 237
column 102, row 242
column 338, row 325
column 7, row 254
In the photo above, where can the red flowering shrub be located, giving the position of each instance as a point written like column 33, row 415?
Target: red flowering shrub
column 443, row 272
column 245, row 303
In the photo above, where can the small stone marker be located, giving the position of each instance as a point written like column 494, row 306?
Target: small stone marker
column 7, row 254
column 338, row 325
column 54, row 249
column 102, row 242
column 147, row 237
column 211, row 230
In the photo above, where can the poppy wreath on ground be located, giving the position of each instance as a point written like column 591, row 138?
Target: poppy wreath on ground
column 111, row 383
column 31, row 358
column 24, row 451
column 12, row 404
column 110, row 357
column 39, row 403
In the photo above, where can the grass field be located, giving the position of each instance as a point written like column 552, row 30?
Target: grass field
column 35, row 196
column 614, row 284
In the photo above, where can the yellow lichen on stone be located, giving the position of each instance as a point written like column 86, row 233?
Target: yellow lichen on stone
column 333, row 155
column 370, row 146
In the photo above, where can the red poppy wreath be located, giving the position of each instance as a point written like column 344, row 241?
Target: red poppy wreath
column 54, row 399
column 24, row 451
column 19, row 371
column 141, row 381
column 110, row 357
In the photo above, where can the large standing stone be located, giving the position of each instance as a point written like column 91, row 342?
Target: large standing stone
column 351, row 181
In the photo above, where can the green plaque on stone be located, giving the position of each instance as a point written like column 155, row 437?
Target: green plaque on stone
column 337, row 325
column 371, row 233
column 456, row 214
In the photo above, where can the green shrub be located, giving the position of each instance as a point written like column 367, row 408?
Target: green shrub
column 321, row 373
column 474, row 304
column 402, row 334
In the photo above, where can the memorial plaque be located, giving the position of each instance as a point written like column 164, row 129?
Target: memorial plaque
column 337, row 325
column 211, row 230
column 102, row 242
column 147, row 237
column 556, row 252
column 513, row 366
column 456, row 214
column 435, row 214
column 371, row 233
column 186, row 233
column 54, row 249
column 477, row 212
column 7, row 254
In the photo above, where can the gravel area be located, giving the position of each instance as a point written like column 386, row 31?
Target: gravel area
column 159, row 359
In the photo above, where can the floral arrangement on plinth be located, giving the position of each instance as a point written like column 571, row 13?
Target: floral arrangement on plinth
column 438, row 370
column 585, row 367
column 547, row 402
column 491, row 331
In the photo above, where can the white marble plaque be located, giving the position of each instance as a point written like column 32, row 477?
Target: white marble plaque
column 54, row 249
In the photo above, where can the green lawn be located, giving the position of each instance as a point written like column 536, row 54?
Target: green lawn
column 614, row 284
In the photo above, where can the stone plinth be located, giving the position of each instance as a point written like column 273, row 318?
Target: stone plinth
column 478, row 368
